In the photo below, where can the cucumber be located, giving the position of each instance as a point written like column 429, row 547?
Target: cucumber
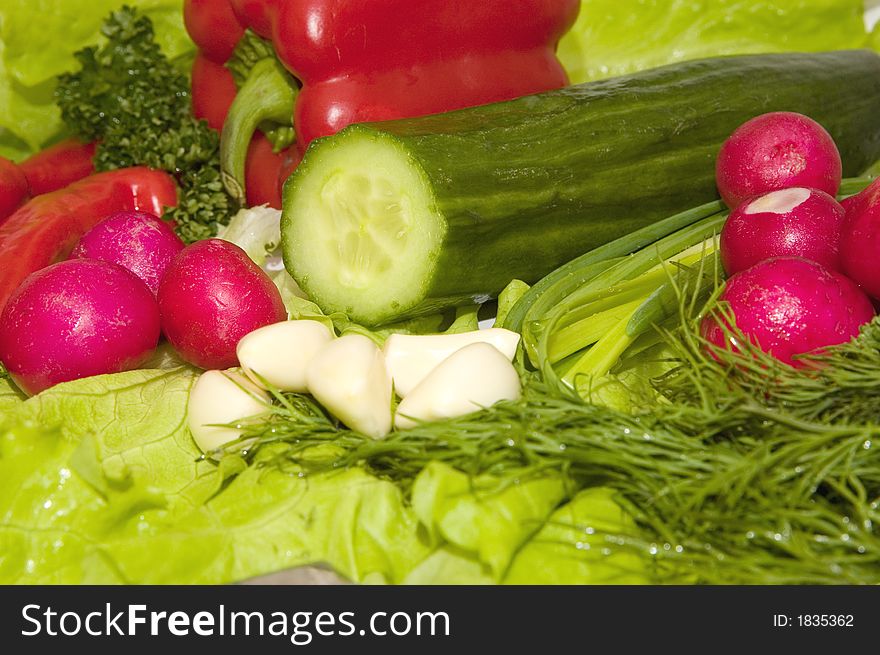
column 388, row 220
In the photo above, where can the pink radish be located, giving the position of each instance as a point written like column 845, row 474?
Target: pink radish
column 74, row 319
column 788, row 306
column 794, row 222
column 138, row 241
column 212, row 295
column 776, row 151
column 860, row 243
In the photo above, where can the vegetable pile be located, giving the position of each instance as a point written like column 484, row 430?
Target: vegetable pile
column 206, row 377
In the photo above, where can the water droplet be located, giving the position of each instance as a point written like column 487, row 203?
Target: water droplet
column 750, row 534
column 511, row 443
column 47, row 504
column 653, row 549
column 627, row 431
column 589, row 530
column 861, row 549
column 562, row 446
column 844, row 537
column 679, row 549
column 777, row 537
column 646, row 436
column 667, row 546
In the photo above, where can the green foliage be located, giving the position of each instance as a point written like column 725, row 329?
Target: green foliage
column 132, row 99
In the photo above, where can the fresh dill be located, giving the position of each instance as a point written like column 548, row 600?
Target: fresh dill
column 744, row 471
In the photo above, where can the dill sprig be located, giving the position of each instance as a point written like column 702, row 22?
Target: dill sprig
column 747, row 471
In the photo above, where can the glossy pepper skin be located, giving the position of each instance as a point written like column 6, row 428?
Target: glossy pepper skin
column 216, row 30
column 263, row 171
column 213, row 27
column 372, row 60
column 213, row 90
column 13, row 187
column 369, row 60
column 46, row 228
column 48, row 170
column 59, row 165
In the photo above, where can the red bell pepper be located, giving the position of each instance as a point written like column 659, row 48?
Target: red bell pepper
column 213, row 27
column 213, row 90
column 13, row 187
column 375, row 60
column 263, row 171
column 372, row 60
column 46, row 228
column 59, row 165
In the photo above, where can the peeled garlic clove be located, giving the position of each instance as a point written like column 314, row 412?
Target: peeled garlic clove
column 410, row 358
column 349, row 378
column 473, row 378
column 219, row 398
column 280, row 353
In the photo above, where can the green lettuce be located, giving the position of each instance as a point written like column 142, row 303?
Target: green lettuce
column 101, row 483
column 37, row 42
column 482, row 517
column 615, row 38
column 510, row 533
column 573, row 546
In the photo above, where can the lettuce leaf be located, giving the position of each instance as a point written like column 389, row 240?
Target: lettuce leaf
column 10, row 397
column 37, row 42
column 573, row 548
column 101, row 483
column 615, row 38
column 513, row 535
column 481, row 516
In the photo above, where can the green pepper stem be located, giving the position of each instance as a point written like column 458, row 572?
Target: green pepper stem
column 268, row 94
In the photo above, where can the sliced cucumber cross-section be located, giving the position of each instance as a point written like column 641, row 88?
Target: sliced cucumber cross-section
column 393, row 219
column 361, row 235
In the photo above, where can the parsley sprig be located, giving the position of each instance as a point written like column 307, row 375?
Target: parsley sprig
column 130, row 97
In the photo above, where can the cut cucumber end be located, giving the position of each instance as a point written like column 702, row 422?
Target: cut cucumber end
column 361, row 232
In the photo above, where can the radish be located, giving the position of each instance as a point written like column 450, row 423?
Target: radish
column 788, row 306
column 138, row 241
column 211, row 296
column 776, row 151
column 795, row 222
column 74, row 319
column 860, row 244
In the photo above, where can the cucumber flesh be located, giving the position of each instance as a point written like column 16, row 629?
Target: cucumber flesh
column 390, row 220
column 362, row 234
